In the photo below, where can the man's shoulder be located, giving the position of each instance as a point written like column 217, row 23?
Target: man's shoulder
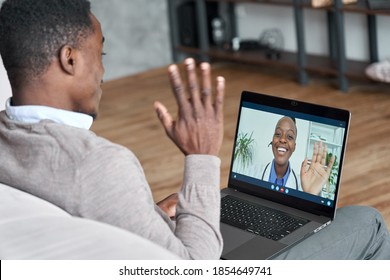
column 84, row 142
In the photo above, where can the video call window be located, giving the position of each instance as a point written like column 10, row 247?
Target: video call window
column 253, row 153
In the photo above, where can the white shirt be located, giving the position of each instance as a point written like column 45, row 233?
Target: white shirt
column 35, row 113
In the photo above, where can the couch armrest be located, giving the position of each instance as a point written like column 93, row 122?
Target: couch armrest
column 31, row 228
column 75, row 239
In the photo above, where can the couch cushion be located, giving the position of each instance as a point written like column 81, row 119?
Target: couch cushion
column 16, row 204
column 32, row 228
column 74, row 239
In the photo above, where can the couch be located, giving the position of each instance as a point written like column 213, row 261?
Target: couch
column 31, row 228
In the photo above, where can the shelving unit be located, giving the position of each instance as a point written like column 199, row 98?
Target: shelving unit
column 334, row 64
column 328, row 135
column 350, row 68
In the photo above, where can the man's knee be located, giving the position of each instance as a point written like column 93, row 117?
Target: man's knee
column 363, row 214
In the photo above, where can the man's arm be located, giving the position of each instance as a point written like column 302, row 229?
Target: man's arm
column 119, row 193
column 197, row 116
column 114, row 190
column 198, row 130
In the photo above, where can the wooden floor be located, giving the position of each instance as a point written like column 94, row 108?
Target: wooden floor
column 127, row 117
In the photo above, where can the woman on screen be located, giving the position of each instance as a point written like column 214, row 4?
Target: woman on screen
column 280, row 172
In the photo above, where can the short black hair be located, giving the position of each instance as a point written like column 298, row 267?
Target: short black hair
column 294, row 121
column 33, row 31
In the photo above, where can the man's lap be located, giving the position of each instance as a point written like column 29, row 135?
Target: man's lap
column 357, row 232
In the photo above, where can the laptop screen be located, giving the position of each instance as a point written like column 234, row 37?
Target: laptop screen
column 277, row 141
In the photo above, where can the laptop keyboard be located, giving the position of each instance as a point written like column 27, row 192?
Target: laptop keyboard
column 258, row 219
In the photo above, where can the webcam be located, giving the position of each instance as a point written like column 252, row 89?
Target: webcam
column 294, row 103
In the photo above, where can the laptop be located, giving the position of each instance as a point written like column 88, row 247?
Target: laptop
column 263, row 211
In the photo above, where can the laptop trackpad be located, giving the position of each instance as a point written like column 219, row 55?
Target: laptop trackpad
column 258, row 248
column 233, row 237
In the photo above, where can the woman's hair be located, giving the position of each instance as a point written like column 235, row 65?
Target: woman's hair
column 295, row 124
column 33, row 31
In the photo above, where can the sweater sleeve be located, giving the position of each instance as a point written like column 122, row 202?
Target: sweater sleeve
column 115, row 191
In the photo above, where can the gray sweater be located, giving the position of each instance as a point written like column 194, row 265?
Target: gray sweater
column 91, row 177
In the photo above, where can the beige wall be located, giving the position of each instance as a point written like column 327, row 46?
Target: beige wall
column 136, row 35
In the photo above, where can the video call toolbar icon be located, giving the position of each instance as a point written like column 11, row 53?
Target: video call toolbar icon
column 280, row 189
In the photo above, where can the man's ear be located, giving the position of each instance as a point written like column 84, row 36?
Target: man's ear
column 68, row 59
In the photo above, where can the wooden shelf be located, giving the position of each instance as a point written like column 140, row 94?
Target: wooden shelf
column 321, row 65
column 287, row 59
column 189, row 50
column 361, row 7
column 334, row 64
column 307, row 5
column 356, row 70
column 269, row 2
column 315, row 63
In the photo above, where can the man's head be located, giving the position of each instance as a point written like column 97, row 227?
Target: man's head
column 47, row 43
column 283, row 141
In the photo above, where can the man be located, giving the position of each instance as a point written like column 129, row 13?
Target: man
column 52, row 52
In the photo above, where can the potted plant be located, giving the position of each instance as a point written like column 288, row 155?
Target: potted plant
column 243, row 153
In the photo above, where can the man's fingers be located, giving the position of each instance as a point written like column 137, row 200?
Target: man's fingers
column 206, row 83
column 219, row 96
column 164, row 117
column 198, row 128
column 192, row 81
column 168, row 204
column 177, row 87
